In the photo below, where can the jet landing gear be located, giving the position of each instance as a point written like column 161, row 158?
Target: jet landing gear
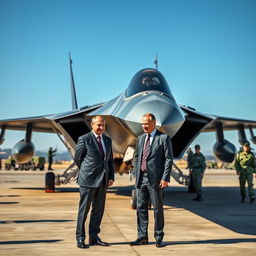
column 49, row 182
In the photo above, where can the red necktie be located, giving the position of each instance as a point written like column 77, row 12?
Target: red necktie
column 146, row 150
column 100, row 145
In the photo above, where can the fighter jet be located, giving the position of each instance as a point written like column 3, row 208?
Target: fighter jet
column 148, row 91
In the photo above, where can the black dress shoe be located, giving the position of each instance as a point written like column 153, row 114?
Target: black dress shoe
column 97, row 241
column 252, row 199
column 159, row 244
column 139, row 241
column 81, row 244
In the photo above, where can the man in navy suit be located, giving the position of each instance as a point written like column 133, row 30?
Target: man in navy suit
column 94, row 157
column 152, row 166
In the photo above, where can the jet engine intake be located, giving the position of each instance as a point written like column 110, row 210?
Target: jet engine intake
column 23, row 151
column 223, row 149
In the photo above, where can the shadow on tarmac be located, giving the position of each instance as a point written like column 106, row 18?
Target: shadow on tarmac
column 215, row 241
column 57, row 190
column 30, row 241
column 31, row 221
column 9, row 202
column 221, row 205
column 210, row 241
column 9, row 195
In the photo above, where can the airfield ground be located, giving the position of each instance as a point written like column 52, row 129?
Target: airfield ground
column 33, row 222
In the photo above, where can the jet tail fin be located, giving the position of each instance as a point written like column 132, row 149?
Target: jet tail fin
column 72, row 85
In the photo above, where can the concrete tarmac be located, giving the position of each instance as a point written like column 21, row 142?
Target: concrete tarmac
column 33, row 222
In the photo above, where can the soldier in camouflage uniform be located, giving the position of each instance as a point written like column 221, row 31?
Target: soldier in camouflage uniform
column 191, row 187
column 245, row 167
column 51, row 154
column 197, row 167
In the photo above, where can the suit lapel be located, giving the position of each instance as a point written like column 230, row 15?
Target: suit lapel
column 106, row 144
column 155, row 139
column 142, row 142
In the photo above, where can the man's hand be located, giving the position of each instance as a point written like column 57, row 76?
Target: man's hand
column 110, row 183
column 163, row 184
column 237, row 172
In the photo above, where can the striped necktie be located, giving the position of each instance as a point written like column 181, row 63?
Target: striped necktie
column 146, row 150
column 100, row 145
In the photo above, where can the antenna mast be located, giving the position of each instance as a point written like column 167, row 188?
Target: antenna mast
column 156, row 62
column 72, row 84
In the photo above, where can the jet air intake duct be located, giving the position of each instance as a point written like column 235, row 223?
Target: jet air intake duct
column 223, row 149
column 24, row 150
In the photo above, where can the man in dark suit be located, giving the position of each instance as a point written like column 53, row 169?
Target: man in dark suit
column 94, row 158
column 152, row 166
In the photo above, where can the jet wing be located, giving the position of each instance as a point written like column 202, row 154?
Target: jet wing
column 39, row 123
column 44, row 123
column 229, row 124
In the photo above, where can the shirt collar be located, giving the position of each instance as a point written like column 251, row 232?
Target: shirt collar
column 96, row 135
column 152, row 134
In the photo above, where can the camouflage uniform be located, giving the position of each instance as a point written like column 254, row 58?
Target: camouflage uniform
column 197, row 166
column 191, row 187
column 245, row 167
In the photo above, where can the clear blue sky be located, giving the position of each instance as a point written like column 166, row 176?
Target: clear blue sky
column 206, row 49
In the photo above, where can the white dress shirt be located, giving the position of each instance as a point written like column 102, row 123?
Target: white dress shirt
column 152, row 134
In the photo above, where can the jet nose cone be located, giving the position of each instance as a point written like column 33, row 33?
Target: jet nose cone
column 169, row 116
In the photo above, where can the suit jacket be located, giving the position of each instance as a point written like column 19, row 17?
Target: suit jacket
column 159, row 160
column 93, row 166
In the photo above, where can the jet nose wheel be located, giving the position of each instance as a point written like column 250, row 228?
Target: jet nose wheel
column 49, row 182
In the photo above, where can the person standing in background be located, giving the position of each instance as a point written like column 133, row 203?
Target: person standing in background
column 245, row 167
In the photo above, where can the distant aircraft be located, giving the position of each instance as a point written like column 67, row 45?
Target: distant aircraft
column 148, row 91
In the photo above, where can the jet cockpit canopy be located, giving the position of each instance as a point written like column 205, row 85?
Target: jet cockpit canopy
column 148, row 79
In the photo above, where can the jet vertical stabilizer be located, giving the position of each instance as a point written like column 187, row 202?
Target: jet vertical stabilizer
column 72, row 84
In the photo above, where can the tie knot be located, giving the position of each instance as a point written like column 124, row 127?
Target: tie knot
column 99, row 138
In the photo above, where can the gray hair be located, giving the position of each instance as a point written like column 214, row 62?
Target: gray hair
column 94, row 118
column 153, row 118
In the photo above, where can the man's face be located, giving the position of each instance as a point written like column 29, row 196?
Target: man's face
column 246, row 148
column 197, row 150
column 148, row 125
column 98, row 125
